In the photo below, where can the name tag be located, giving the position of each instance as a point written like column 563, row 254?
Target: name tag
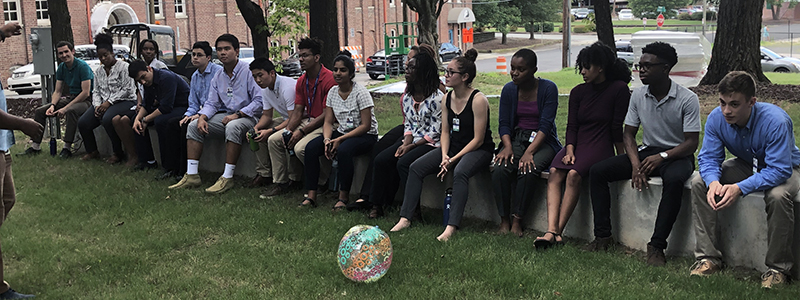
column 350, row 123
column 456, row 124
column 755, row 165
column 533, row 136
column 230, row 92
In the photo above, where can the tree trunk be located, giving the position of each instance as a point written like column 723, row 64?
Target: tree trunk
column 602, row 19
column 532, row 30
column 505, row 38
column 776, row 12
column 736, row 46
column 324, row 25
column 428, row 12
column 254, row 17
column 60, row 21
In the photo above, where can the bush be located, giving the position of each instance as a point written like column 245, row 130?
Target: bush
column 559, row 17
column 684, row 16
column 582, row 28
column 537, row 27
column 710, row 15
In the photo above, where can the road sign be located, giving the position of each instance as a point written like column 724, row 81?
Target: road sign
column 644, row 21
column 466, row 35
column 661, row 9
column 660, row 20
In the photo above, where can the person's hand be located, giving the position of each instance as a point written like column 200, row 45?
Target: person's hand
column 10, row 29
column 730, row 193
column 650, row 163
column 714, row 190
column 139, row 126
column 444, row 165
column 263, row 134
column 638, row 179
column 187, row 120
column 100, row 110
column 229, row 118
column 296, row 136
column 50, row 111
column 568, row 159
column 526, row 163
column 505, row 157
column 202, row 125
column 61, row 112
column 403, row 149
column 32, row 128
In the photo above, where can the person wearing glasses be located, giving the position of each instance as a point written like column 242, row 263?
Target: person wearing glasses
column 594, row 129
column 527, row 128
column 670, row 116
column 466, row 145
column 232, row 108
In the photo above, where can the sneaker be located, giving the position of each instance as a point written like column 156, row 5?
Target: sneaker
column 65, row 153
column 772, row 277
column 277, row 189
column 222, row 185
column 600, row 244
column 655, row 256
column 30, row 152
column 704, row 267
column 188, row 181
column 12, row 294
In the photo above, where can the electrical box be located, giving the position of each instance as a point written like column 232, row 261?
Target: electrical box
column 44, row 61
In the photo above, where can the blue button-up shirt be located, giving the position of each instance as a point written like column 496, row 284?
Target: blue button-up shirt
column 199, row 88
column 6, row 136
column 236, row 93
column 767, row 137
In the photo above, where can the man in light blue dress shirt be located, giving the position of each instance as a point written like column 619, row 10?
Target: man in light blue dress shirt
column 760, row 136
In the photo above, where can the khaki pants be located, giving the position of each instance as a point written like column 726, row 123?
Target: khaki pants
column 8, row 198
column 285, row 167
column 780, row 216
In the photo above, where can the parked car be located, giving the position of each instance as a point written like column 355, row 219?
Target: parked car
column 774, row 62
column 625, row 14
column 245, row 55
column 23, row 81
column 625, row 51
column 291, row 66
column 581, row 13
column 448, row 52
column 378, row 64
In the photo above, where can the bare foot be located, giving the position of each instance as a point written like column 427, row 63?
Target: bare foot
column 516, row 226
column 504, row 225
column 448, row 232
column 402, row 224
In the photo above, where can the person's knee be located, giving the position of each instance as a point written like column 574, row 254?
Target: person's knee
column 698, row 183
column 778, row 196
column 573, row 178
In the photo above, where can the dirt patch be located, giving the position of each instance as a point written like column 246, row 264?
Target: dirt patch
column 511, row 44
column 765, row 92
column 23, row 106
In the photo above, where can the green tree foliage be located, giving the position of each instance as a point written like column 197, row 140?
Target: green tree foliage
column 647, row 8
column 501, row 16
column 285, row 18
column 533, row 11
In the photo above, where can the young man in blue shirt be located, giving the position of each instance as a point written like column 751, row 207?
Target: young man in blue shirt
column 760, row 137
column 70, row 99
column 232, row 108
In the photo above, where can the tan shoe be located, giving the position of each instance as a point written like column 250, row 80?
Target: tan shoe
column 222, row 185
column 704, row 267
column 188, row 181
column 772, row 277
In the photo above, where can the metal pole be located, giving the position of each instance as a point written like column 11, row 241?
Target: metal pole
column 565, row 36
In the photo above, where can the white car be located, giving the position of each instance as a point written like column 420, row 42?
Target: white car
column 24, row 81
column 626, row 14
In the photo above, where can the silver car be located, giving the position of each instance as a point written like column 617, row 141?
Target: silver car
column 774, row 62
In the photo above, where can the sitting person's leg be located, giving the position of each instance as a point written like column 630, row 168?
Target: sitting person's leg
column 780, row 224
column 345, row 155
column 144, row 150
column 86, row 125
column 674, row 174
column 469, row 165
column 40, row 116
column 71, row 116
column 384, row 180
column 122, row 108
column 300, row 150
column 123, row 128
column 602, row 174
column 386, row 141
column 194, row 149
column 169, row 141
column 554, row 207
column 235, row 132
column 314, row 151
column 426, row 165
column 263, row 162
column 403, row 165
column 526, row 181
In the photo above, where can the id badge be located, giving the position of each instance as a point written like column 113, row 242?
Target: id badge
column 642, row 147
column 533, row 136
column 456, row 124
column 349, row 123
column 755, row 165
column 230, row 92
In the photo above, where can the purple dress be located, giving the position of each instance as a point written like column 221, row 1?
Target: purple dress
column 594, row 123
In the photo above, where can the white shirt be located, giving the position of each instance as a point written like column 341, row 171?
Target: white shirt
column 282, row 97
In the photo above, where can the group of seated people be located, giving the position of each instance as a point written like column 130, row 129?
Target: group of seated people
column 302, row 127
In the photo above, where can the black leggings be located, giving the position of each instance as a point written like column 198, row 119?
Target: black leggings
column 347, row 151
column 386, row 141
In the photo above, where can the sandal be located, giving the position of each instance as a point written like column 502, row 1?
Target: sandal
column 338, row 208
column 543, row 244
column 311, row 202
column 359, row 205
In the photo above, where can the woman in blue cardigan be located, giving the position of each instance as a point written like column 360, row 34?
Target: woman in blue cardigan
column 529, row 141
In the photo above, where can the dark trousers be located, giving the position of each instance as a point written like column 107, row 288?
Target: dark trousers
column 178, row 132
column 169, row 154
column 88, row 122
column 506, row 178
column 469, row 165
column 71, row 117
column 347, row 151
column 384, row 186
column 386, row 141
column 673, row 172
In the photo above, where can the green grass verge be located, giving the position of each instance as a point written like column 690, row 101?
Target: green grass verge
column 783, row 78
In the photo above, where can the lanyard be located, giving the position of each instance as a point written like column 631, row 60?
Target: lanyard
column 310, row 97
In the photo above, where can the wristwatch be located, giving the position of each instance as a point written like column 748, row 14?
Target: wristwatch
column 664, row 155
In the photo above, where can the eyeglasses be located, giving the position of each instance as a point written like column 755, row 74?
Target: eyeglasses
column 646, row 66
column 448, row 72
column 198, row 54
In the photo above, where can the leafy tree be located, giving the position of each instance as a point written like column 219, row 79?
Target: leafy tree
column 775, row 7
column 285, row 19
column 647, row 8
column 254, row 17
column 428, row 12
column 736, row 46
column 502, row 16
column 533, row 11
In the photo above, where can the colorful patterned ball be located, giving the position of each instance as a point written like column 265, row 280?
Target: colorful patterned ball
column 365, row 253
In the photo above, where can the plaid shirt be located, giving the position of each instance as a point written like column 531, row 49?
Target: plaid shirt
column 114, row 87
column 425, row 122
column 348, row 111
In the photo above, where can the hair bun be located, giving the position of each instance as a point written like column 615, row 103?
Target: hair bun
column 471, row 54
column 103, row 39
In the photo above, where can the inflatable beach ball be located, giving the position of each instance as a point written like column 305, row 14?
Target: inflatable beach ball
column 365, row 253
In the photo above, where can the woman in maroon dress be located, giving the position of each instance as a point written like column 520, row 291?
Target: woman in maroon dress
column 597, row 109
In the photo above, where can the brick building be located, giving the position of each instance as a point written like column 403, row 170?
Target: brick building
column 198, row 20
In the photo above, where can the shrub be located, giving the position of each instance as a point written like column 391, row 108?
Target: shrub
column 685, row 16
column 537, row 27
column 710, row 15
column 582, row 28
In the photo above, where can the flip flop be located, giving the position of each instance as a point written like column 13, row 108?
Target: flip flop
column 544, row 244
column 311, row 202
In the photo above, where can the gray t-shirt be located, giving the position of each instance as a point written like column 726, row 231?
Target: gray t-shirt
column 665, row 121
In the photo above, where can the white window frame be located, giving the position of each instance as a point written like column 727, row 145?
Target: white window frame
column 158, row 8
column 391, row 3
column 42, row 21
column 9, row 12
column 180, row 4
column 292, row 46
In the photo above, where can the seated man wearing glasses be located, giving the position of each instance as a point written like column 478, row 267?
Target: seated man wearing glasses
column 670, row 115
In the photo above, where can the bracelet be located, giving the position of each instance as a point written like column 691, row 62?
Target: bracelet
column 301, row 131
column 273, row 129
column 326, row 140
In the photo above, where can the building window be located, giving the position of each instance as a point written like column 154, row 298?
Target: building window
column 11, row 10
column 180, row 7
column 292, row 46
column 157, row 8
column 391, row 2
column 274, row 44
column 41, row 10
